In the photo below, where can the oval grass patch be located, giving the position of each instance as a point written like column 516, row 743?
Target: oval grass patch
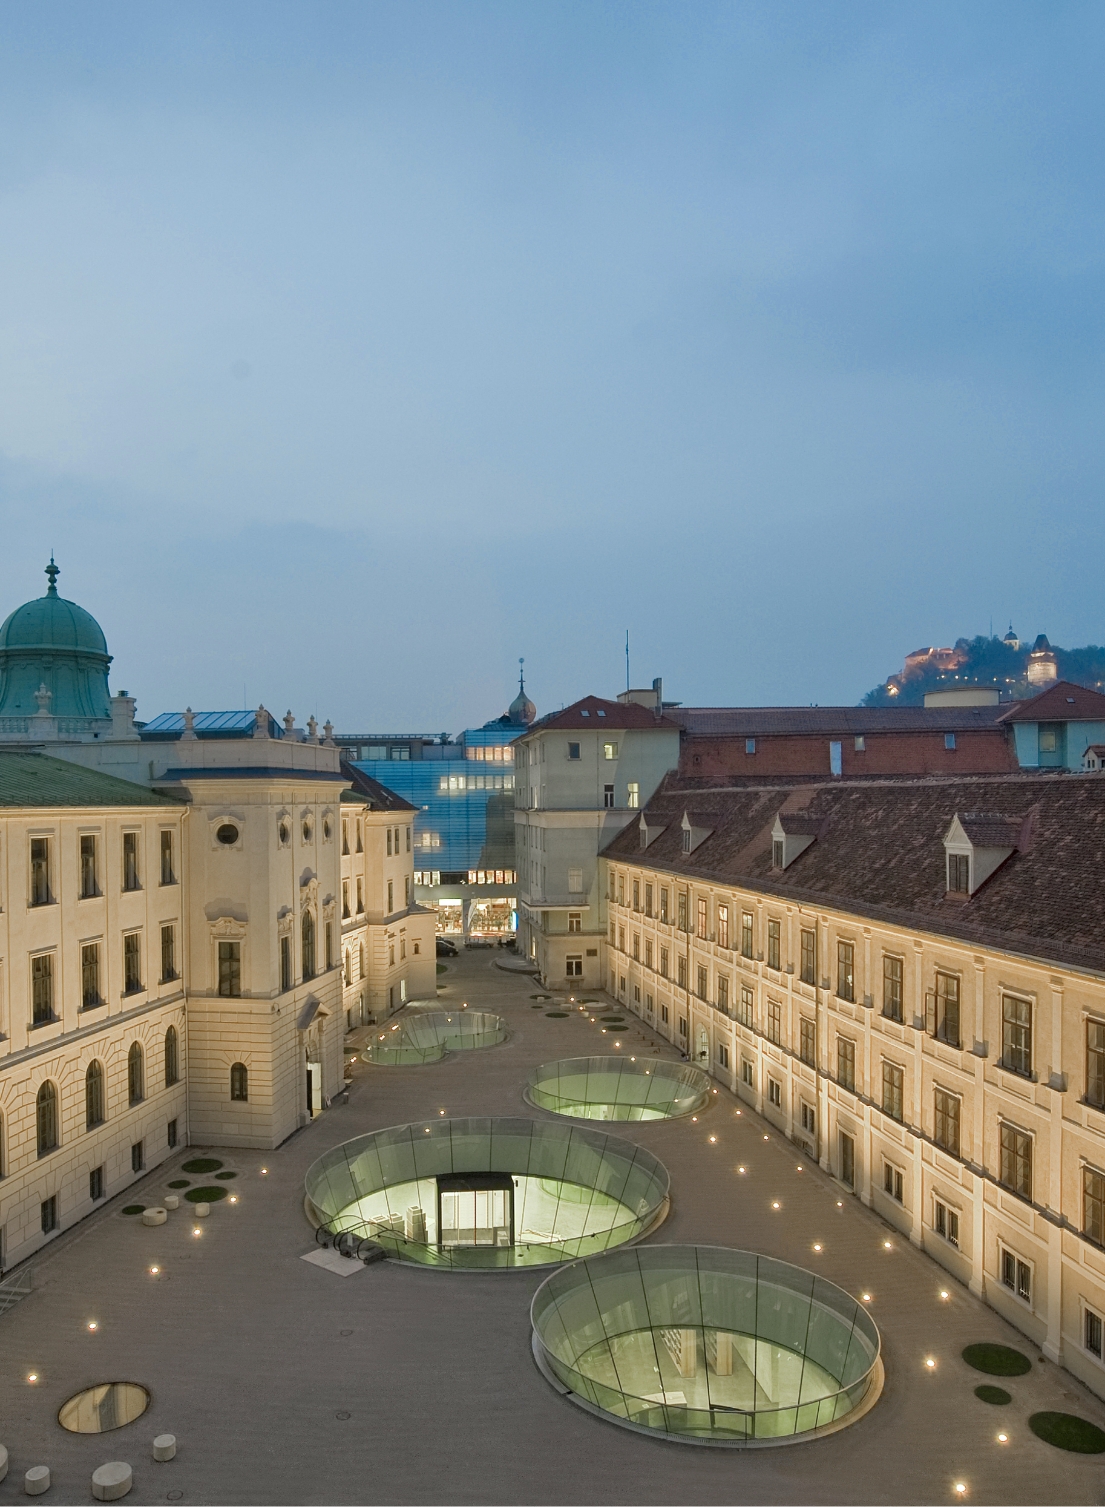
column 179, row 1182
column 135, row 1209
column 997, row 1360
column 202, row 1164
column 557, row 1014
column 224, row 1177
column 205, row 1195
column 998, row 1396
column 1066, row 1431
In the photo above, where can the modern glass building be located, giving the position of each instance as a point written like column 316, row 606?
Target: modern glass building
column 463, row 791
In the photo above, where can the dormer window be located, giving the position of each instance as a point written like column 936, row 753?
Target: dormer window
column 791, row 835
column 686, row 839
column 649, row 831
column 976, row 844
column 777, row 853
column 697, row 827
column 959, row 874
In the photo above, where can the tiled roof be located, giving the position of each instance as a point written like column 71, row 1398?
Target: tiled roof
column 593, row 714
column 376, row 796
column 832, row 721
column 1062, row 702
column 880, row 854
column 985, row 830
column 32, row 779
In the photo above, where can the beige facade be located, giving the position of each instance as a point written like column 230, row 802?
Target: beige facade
column 985, row 1150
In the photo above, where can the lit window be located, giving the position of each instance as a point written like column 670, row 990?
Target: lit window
column 610, row 750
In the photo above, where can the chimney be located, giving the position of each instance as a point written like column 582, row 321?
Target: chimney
column 658, row 690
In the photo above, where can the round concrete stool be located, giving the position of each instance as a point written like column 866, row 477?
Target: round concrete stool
column 112, row 1481
column 164, row 1447
column 3, row 1461
column 37, row 1480
column 154, row 1216
column 201, row 1211
column 172, row 1201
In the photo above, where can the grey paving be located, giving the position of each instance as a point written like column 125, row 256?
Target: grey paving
column 285, row 1384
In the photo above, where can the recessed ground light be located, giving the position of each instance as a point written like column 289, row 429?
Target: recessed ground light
column 817, row 1245
column 840, row 1203
column 441, row 1111
column 797, row 1169
column 740, row 1169
column 930, row 1363
column 945, row 1294
column 865, row 1297
column 264, row 1172
column 887, row 1246
column 715, row 1090
column 713, row 1140
column 775, row 1205
column 32, row 1377
column 92, row 1325
column 234, row 1198
column 1003, row 1438
column 738, row 1111
column 961, row 1488
column 197, row 1231
column 767, row 1138
column 154, row 1270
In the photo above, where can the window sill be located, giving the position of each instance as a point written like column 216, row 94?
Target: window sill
column 40, row 1025
column 92, row 895
column 1016, row 1072
column 92, row 1005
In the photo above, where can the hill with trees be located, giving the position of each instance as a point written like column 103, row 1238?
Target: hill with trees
column 1001, row 664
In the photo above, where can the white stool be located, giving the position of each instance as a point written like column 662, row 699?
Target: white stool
column 37, row 1480
column 201, row 1211
column 154, row 1216
column 112, row 1481
column 172, row 1201
column 164, row 1447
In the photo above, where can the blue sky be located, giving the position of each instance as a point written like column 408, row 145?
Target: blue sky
column 348, row 352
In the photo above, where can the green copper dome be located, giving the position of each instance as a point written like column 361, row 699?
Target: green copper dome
column 55, row 644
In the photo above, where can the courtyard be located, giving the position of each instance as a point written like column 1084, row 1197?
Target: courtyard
column 284, row 1382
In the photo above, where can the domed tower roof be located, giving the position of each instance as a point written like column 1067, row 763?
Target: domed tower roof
column 54, row 643
column 521, row 710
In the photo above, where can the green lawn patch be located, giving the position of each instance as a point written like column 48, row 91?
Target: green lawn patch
column 441, row 968
column 202, row 1164
column 179, row 1182
column 135, row 1209
column 998, row 1396
column 1066, row 1431
column 997, row 1360
column 225, row 1177
column 557, row 1014
column 613, row 1021
column 205, row 1195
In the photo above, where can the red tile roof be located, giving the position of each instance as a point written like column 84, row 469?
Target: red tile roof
column 593, row 714
column 1062, row 702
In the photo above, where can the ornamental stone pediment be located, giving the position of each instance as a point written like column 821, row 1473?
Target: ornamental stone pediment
column 228, row 929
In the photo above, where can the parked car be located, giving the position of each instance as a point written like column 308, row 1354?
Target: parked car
column 445, row 948
column 478, row 942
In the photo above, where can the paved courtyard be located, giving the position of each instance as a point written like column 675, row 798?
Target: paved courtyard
column 285, row 1383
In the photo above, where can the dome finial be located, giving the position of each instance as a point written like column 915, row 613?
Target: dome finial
column 521, row 673
column 53, row 571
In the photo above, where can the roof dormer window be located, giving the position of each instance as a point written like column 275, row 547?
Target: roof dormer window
column 777, row 853
column 959, row 873
column 791, row 835
column 697, row 827
column 686, row 839
column 976, row 844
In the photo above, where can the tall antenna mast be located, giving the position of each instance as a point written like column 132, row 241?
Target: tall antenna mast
column 627, row 659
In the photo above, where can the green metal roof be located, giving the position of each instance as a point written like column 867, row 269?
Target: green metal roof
column 32, row 779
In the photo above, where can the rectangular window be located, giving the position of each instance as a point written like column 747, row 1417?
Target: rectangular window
column 648, row 899
column 90, row 878
column 1016, row 1275
column 575, row 881
column 775, row 1021
column 846, row 1063
column 746, row 934
column 360, row 896
column 723, row 926
column 807, row 1042
column 1091, row 1331
column 90, row 976
column 137, row 1156
column 285, row 962
column 230, row 969
column 703, row 989
column 664, row 1014
column 808, row 958
column 664, row 906
column 168, row 954
column 845, row 971
column 847, row 1160
column 703, row 919
column 663, row 962
column 636, row 894
column 610, row 750
column 943, row 1012
column 1016, row 1161
column 893, row 1079
column 345, row 911
column 773, row 937
column 1093, row 1205
column 633, row 795
column 40, row 871
column 836, row 763
column 608, row 797
column 1016, row 1035
column 777, row 853
column 959, row 873
column 574, row 966
column 648, row 953
column 96, row 1183
column 949, row 740
column 130, row 860
column 750, row 745
column 747, row 1073
column 328, row 945
column 391, row 896
column 573, row 750
column 681, row 972
column 132, row 962
column 860, row 744
column 723, row 994
column 746, row 1012
column 49, row 1213
column 809, row 1118
column 170, row 1134
column 683, row 1031
column 389, row 842
column 575, row 921
column 892, row 1181
column 945, row 1130
column 945, row 1222
column 775, row 1092
column 637, row 946
column 621, row 938
column 722, row 1054
column 167, row 868
column 681, row 912
column 42, row 988
column 621, row 889
column 892, row 969
column 1095, row 1064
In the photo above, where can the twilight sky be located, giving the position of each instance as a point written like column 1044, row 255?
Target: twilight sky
column 350, row 351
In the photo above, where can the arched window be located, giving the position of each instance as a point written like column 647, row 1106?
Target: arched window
column 308, row 945
column 239, row 1082
column 362, row 960
column 348, row 966
column 46, row 1109
column 172, row 1062
column 94, row 1095
column 136, row 1086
